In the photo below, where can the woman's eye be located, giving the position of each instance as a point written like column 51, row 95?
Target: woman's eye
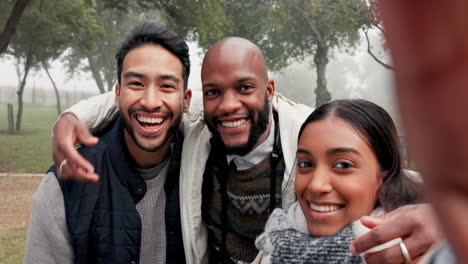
column 343, row 165
column 304, row 164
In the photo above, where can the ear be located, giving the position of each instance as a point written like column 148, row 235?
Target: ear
column 117, row 95
column 270, row 90
column 187, row 98
column 381, row 176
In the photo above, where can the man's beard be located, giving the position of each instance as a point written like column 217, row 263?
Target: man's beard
column 171, row 131
column 256, row 130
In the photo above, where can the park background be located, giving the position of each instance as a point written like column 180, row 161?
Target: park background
column 62, row 51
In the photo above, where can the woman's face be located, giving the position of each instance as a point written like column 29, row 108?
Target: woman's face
column 337, row 176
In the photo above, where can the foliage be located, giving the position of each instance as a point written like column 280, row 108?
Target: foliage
column 285, row 30
column 316, row 28
column 306, row 24
column 104, row 25
column 42, row 35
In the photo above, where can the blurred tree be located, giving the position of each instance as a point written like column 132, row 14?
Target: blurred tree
column 43, row 34
column 285, row 30
column 315, row 28
column 107, row 24
column 11, row 23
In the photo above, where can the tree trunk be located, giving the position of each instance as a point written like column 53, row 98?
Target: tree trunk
column 27, row 67
column 10, row 26
column 96, row 75
column 322, row 95
column 109, row 75
column 110, row 85
column 57, row 95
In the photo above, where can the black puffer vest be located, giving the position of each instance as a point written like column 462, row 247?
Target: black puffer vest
column 102, row 219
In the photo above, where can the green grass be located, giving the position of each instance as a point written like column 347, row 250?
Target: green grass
column 30, row 150
column 12, row 241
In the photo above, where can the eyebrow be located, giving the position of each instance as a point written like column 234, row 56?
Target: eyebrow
column 304, row 151
column 245, row 79
column 330, row 152
column 134, row 74
column 241, row 80
column 169, row 77
column 343, row 149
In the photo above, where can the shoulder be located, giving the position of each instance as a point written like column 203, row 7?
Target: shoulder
column 48, row 193
column 291, row 115
column 284, row 104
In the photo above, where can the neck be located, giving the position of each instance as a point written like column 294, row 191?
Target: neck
column 146, row 159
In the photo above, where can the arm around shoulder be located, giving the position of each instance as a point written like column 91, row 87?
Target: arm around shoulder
column 95, row 112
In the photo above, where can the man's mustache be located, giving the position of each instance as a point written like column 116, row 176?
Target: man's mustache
column 146, row 110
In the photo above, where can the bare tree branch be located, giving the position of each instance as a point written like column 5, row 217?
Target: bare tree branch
column 369, row 50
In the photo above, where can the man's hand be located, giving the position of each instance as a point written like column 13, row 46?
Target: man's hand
column 67, row 132
column 415, row 224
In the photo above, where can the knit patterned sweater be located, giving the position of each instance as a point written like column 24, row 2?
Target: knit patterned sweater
column 248, row 193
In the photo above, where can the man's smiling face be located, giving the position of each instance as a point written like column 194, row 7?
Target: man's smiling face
column 151, row 96
column 237, row 96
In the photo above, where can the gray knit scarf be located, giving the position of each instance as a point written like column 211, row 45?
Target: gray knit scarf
column 287, row 240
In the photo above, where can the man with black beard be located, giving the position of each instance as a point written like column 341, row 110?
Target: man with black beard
column 238, row 152
column 131, row 213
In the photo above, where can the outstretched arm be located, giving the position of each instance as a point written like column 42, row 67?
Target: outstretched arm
column 428, row 40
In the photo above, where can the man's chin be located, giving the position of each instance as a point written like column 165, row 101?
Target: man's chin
column 150, row 147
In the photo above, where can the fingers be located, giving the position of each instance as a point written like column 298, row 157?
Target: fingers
column 381, row 234
column 67, row 132
column 370, row 222
column 416, row 222
column 78, row 168
column 416, row 225
column 84, row 136
column 394, row 224
column 394, row 253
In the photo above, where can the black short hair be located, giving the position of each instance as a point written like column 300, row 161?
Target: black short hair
column 152, row 33
column 378, row 129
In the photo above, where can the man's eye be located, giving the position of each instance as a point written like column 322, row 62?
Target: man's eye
column 343, row 165
column 245, row 87
column 211, row 92
column 304, row 164
column 168, row 86
column 134, row 83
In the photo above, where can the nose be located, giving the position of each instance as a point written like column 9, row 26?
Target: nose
column 152, row 98
column 230, row 103
column 320, row 182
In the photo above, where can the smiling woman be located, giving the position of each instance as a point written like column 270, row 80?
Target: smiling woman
column 351, row 168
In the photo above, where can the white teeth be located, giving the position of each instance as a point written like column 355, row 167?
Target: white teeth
column 233, row 123
column 150, row 120
column 324, row 208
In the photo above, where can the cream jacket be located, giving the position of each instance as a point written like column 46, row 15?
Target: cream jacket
column 98, row 111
